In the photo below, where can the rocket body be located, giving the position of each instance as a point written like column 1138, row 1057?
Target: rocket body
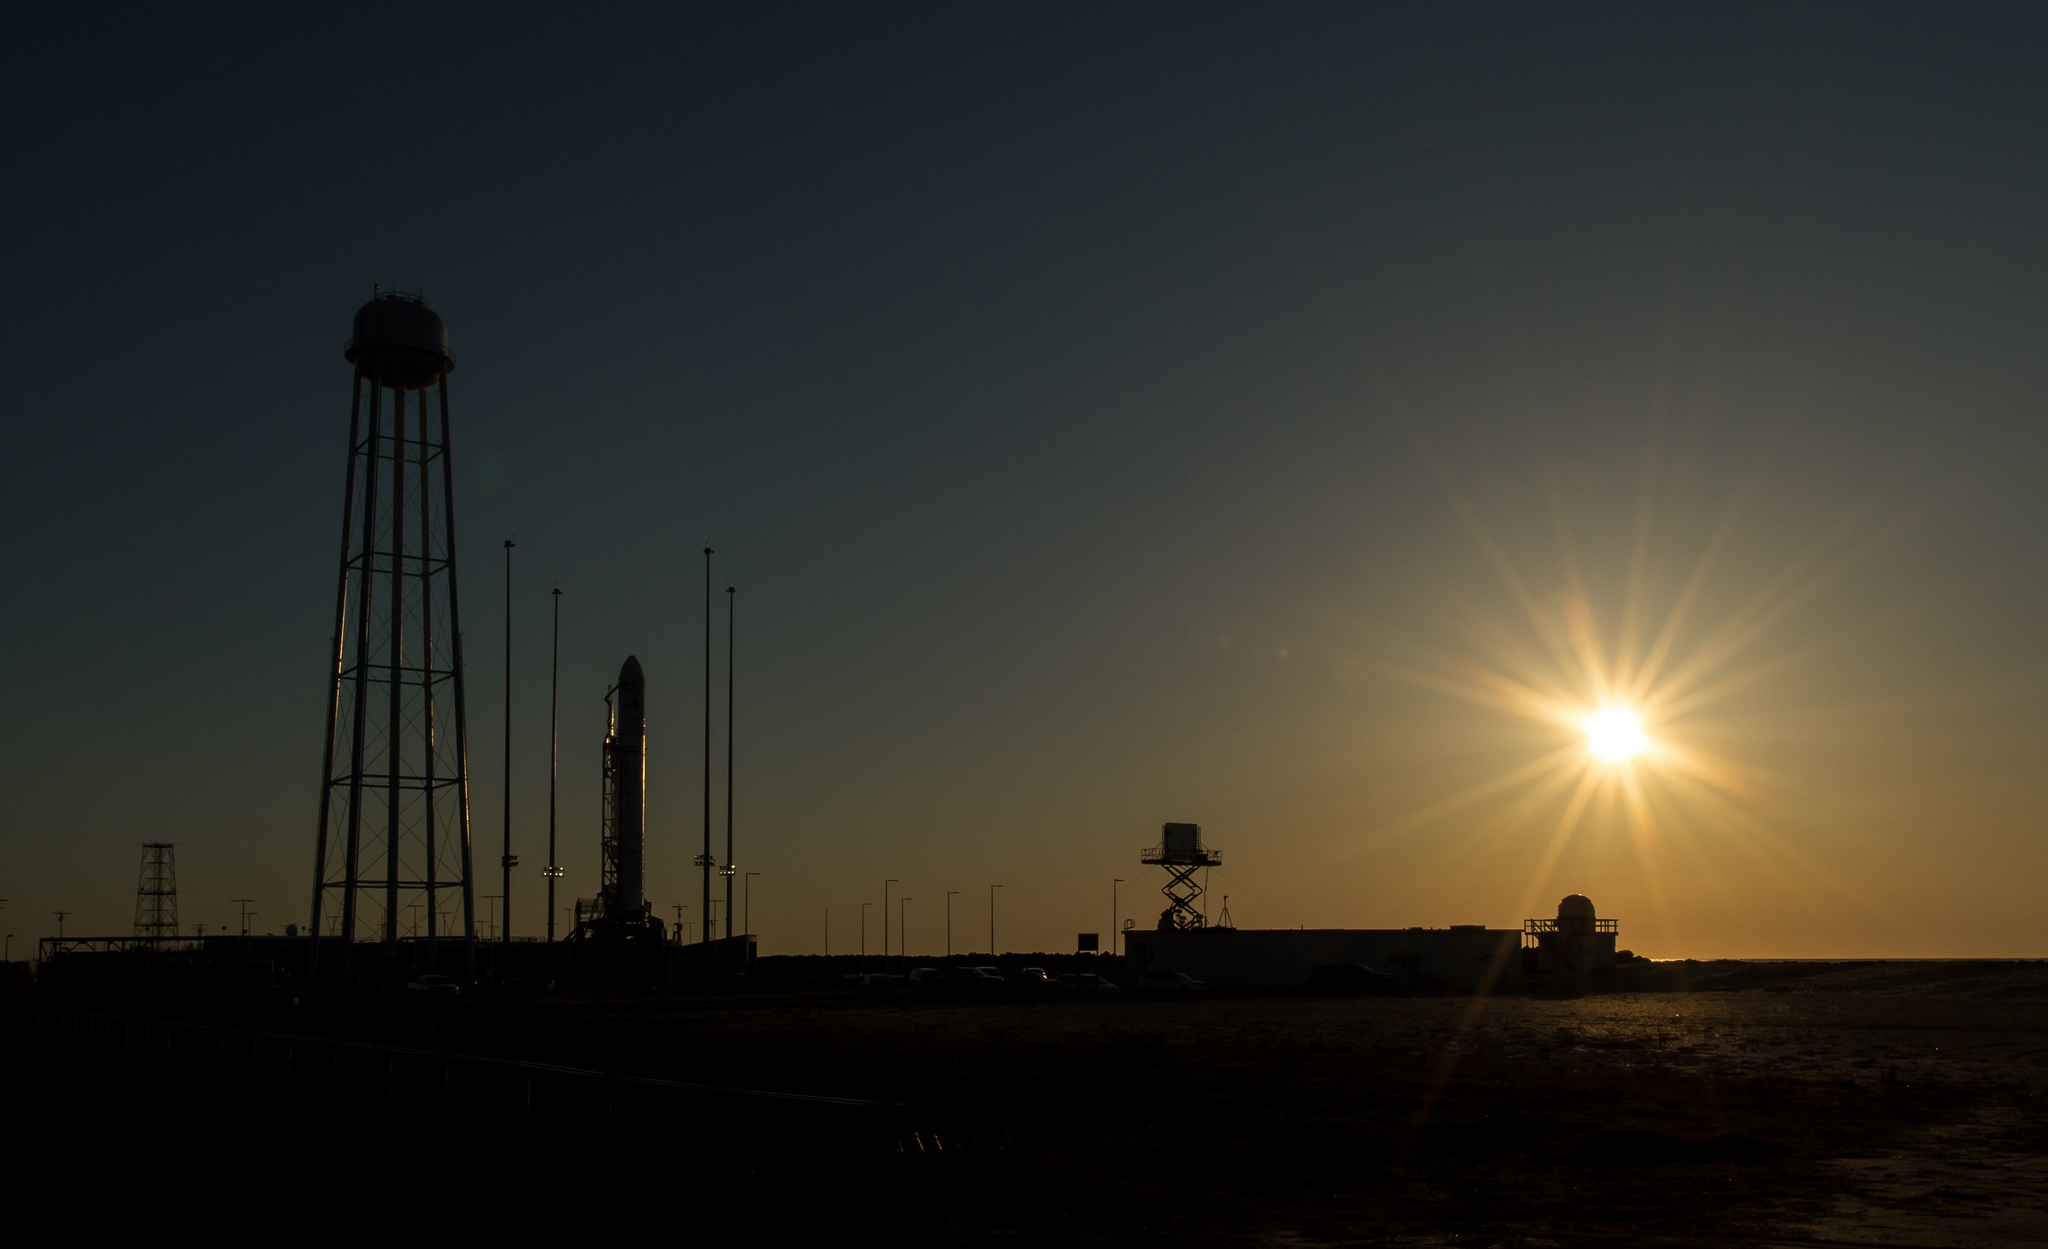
column 629, row 756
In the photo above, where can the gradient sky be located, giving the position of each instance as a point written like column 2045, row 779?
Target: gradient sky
column 1110, row 415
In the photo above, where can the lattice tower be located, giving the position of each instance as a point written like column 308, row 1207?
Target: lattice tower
column 156, row 891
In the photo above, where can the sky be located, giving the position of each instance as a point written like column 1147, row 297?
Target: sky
column 1288, row 419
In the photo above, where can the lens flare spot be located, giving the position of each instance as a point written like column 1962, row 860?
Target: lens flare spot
column 1614, row 734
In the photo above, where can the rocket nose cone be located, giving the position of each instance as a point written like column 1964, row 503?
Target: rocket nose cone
column 629, row 674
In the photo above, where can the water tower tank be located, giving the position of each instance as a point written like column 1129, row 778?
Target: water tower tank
column 1575, row 914
column 401, row 340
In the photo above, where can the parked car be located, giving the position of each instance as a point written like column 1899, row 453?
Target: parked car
column 433, row 988
column 928, row 980
column 1170, row 982
column 1088, row 984
column 1035, row 980
column 1356, row 977
column 974, row 980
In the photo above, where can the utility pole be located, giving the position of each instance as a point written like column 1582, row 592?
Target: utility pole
column 885, row 918
column 731, row 597
column 992, row 919
column 1112, row 912
column 747, row 904
column 949, row 921
column 246, row 912
column 507, row 862
column 554, row 871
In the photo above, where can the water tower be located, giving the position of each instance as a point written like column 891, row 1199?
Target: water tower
column 392, row 854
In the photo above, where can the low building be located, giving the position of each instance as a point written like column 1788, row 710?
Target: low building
column 1462, row 956
column 1465, row 956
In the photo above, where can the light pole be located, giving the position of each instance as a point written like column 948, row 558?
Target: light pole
column 507, row 861
column 554, row 870
column 731, row 597
column 1112, row 913
column 949, row 921
column 885, row 918
column 747, row 904
column 704, row 860
column 992, row 919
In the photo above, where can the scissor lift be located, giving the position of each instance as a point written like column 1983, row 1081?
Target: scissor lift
column 1181, row 852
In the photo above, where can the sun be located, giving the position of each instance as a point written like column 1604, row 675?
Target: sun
column 1614, row 734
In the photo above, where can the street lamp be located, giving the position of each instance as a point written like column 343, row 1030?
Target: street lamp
column 992, row 919
column 949, row 921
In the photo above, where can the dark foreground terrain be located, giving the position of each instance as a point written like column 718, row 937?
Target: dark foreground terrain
column 1895, row 1104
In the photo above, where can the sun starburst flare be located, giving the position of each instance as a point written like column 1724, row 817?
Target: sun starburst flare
column 1614, row 734
column 1625, row 705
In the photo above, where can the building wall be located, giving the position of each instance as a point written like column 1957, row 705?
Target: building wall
column 1564, row 952
column 1455, row 958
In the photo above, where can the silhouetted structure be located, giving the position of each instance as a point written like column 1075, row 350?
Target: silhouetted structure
column 1578, row 940
column 1181, row 852
column 616, row 925
column 394, row 791
column 156, row 891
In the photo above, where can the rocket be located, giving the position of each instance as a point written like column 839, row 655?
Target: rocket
column 629, row 784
